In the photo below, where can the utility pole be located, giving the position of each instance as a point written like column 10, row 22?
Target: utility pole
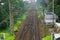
column 53, row 18
column 11, row 17
column 44, row 21
column 53, row 13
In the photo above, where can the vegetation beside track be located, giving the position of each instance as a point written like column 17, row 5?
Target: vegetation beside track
column 8, row 36
column 47, row 38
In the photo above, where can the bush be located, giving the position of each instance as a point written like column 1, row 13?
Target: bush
column 47, row 38
column 3, row 26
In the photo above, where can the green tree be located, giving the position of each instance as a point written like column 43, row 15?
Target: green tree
column 57, row 9
column 18, row 11
column 4, row 15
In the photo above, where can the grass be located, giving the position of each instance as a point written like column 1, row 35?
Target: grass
column 39, row 14
column 19, row 22
column 42, row 28
column 47, row 38
column 8, row 36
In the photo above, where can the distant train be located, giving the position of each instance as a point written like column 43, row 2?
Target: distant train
column 49, row 18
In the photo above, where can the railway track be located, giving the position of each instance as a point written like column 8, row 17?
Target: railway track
column 30, row 30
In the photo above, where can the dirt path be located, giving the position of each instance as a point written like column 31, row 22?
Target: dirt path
column 30, row 28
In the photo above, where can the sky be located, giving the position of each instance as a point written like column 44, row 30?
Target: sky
column 29, row 0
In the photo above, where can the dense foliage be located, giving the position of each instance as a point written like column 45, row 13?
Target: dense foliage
column 18, row 11
column 4, row 14
column 57, row 9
